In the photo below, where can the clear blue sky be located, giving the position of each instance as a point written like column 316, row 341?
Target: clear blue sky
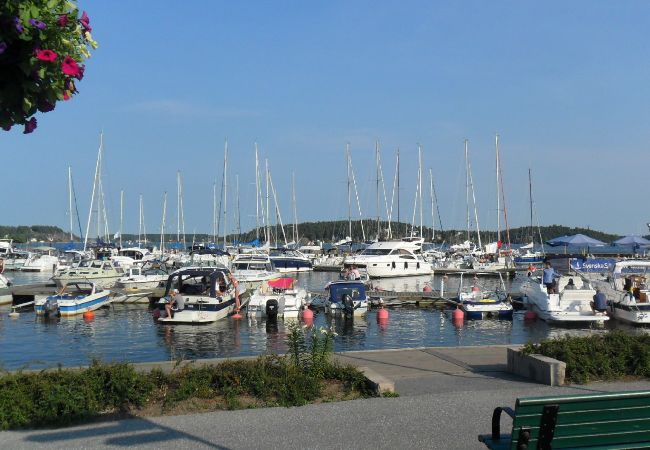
column 565, row 84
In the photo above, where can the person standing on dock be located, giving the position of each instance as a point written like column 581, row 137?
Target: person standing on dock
column 235, row 285
column 549, row 277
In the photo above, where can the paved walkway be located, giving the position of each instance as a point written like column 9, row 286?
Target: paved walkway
column 446, row 399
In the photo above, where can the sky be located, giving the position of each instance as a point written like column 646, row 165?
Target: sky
column 566, row 86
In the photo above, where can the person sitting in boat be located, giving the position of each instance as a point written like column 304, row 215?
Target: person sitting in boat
column 223, row 287
column 570, row 285
column 354, row 273
column 175, row 303
column 600, row 302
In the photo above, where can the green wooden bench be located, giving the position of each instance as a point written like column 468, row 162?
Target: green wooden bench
column 617, row 420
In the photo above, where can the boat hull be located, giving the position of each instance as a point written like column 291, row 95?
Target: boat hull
column 69, row 306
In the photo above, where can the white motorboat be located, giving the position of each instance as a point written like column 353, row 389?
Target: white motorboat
column 43, row 259
column 285, row 260
column 138, row 279
column 5, row 290
column 15, row 260
column 204, row 302
column 627, row 291
column 75, row 298
column 390, row 259
column 102, row 273
column 328, row 263
column 480, row 303
column 277, row 298
column 312, row 252
column 346, row 298
column 253, row 269
column 569, row 305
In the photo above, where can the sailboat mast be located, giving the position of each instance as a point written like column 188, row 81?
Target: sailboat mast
column 178, row 206
column 530, row 200
column 144, row 223
column 268, row 231
column 182, row 211
column 467, row 187
column 225, row 194
column 471, row 181
column 377, row 168
column 162, row 226
column 398, row 224
column 257, row 194
column 420, row 188
column 433, row 217
column 347, row 153
column 70, row 200
column 140, row 223
column 238, row 210
column 295, row 209
column 214, row 212
column 121, row 215
column 496, row 144
column 92, row 197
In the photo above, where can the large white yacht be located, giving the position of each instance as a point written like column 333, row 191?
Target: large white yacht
column 572, row 304
column 390, row 259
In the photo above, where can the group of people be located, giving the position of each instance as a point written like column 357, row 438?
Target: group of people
column 176, row 303
column 352, row 273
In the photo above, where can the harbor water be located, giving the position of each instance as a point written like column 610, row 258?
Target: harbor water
column 129, row 333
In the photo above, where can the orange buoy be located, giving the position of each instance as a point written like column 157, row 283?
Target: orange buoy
column 89, row 315
column 458, row 314
column 236, row 315
column 427, row 288
column 307, row 314
column 382, row 314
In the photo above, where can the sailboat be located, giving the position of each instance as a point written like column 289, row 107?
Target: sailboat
column 530, row 256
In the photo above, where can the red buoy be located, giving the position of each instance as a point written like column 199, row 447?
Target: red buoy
column 89, row 315
column 427, row 288
column 530, row 315
column 382, row 314
column 236, row 316
column 457, row 314
column 308, row 314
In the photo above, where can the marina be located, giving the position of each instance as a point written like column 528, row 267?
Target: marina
column 129, row 332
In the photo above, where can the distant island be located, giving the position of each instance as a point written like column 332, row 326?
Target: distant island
column 326, row 231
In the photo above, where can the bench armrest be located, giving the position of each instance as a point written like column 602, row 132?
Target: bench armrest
column 496, row 420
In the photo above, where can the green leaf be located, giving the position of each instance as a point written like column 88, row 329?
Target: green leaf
column 27, row 104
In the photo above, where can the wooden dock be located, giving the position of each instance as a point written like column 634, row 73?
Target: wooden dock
column 28, row 292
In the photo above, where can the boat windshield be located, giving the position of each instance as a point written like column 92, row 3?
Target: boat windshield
column 355, row 291
column 376, row 251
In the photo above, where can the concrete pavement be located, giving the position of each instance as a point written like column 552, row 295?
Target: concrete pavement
column 446, row 399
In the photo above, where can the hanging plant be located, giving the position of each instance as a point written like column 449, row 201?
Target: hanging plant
column 43, row 44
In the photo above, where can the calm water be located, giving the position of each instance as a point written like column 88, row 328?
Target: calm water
column 128, row 332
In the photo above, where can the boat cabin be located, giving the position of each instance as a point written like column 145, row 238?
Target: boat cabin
column 208, row 282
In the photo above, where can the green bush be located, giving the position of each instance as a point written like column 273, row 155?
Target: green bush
column 64, row 396
column 599, row 357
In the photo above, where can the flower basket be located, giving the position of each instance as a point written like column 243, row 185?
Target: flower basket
column 43, row 45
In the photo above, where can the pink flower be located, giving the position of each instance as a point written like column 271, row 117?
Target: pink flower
column 70, row 67
column 62, row 21
column 46, row 55
column 30, row 125
column 85, row 22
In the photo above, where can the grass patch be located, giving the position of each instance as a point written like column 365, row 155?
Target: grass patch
column 609, row 356
column 64, row 396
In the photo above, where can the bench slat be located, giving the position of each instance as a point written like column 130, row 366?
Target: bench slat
column 580, row 398
column 594, row 415
column 586, row 405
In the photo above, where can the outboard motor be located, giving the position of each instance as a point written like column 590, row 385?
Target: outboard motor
column 348, row 304
column 272, row 307
column 51, row 308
